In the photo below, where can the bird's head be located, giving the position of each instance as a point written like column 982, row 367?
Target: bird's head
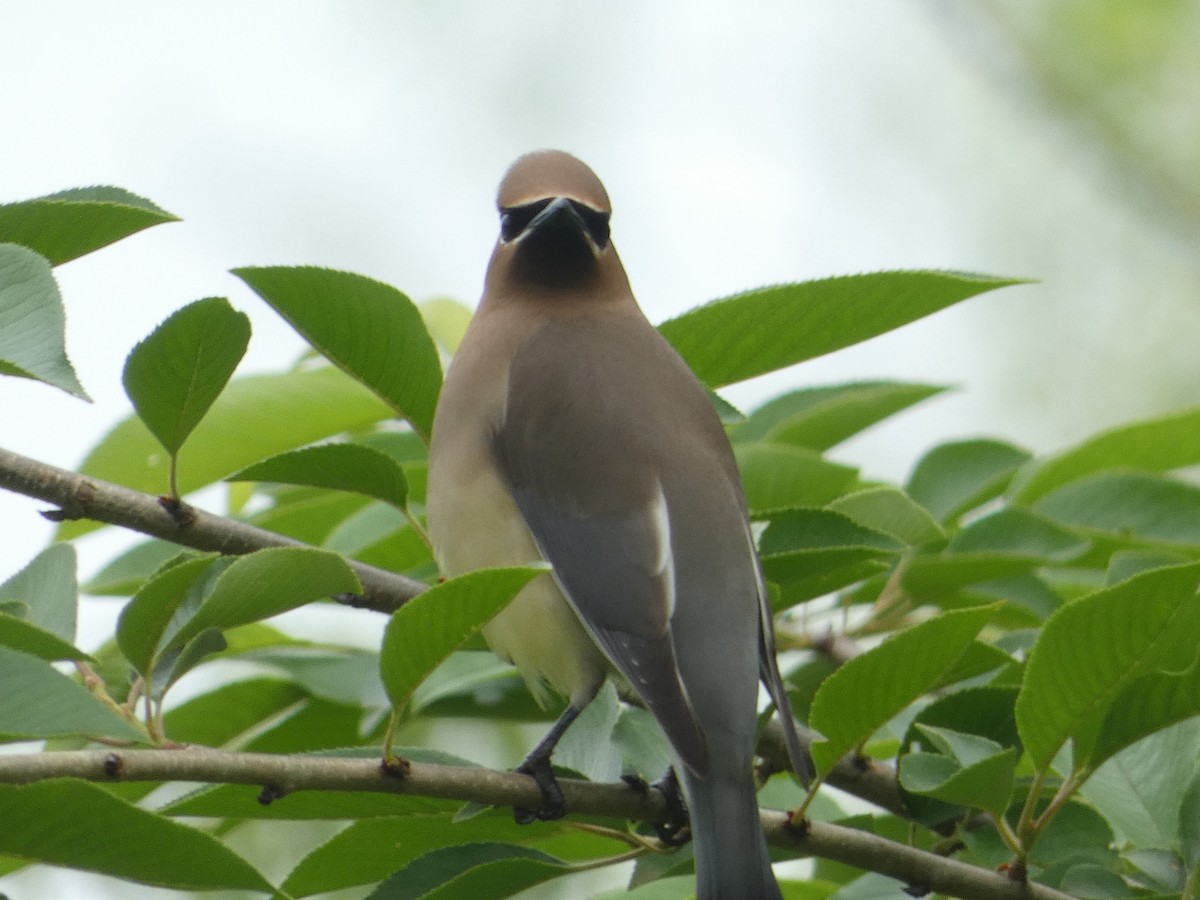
column 554, row 220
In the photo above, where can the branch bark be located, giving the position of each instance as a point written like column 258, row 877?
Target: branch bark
column 282, row 775
column 80, row 497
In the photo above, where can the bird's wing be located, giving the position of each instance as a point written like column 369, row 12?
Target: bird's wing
column 578, row 466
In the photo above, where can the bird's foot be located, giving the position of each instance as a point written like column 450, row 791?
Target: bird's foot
column 554, row 804
column 676, row 830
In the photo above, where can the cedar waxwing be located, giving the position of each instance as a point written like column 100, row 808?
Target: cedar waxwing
column 569, row 430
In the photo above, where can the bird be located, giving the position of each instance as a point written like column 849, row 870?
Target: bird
column 569, row 431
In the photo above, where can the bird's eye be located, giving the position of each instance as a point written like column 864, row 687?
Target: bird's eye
column 596, row 223
column 515, row 219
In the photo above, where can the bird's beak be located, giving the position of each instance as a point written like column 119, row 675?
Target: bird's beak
column 563, row 218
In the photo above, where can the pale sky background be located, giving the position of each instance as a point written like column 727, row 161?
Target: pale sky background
column 742, row 144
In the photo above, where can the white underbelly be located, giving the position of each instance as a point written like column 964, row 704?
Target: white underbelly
column 474, row 524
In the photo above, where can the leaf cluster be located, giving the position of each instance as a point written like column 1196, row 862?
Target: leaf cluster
column 1016, row 636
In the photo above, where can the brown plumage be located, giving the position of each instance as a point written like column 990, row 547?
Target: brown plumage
column 569, row 430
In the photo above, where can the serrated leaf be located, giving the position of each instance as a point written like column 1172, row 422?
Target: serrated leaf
column 255, row 417
column 953, row 478
column 23, row 635
column 38, row 701
column 1146, row 705
column 1004, row 544
column 804, row 543
column 268, row 582
column 32, row 322
column 893, row 512
column 1148, row 507
column 868, row 690
column 47, row 588
column 822, row 417
column 367, row 328
column 1019, row 533
column 1159, row 444
column 71, row 823
column 340, row 467
column 759, row 331
column 174, row 375
column 66, row 225
column 1090, row 649
column 777, row 476
column 985, row 784
column 431, row 626
column 144, row 622
column 986, row 712
column 483, row 871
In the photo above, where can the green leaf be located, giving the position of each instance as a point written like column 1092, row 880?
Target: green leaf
column 868, row 690
column 32, row 322
column 241, row 801
column 178, row 660
column 1076, row 834
column 801, row 543
column 125, row 574
column 431, row 626
column 986, row 712
column 29, row 638
column 68, row 224
column 176, row 374
column 365, row 327
column 1149, row 507
column 230, row 710
column 1139, row 790
column 953, row 478
column 1189, row 823
column 339, row 467
column 1153, row 445
column 254, row 418
column 1093, row 882
column 67, row 822
column 777, row 476
column 982, row 781
column 1146, row 705
column 268, row 582
column 447, row 321
column 730, row 340
column 999, row 546
column 1090, row 649
column 893, row 512
column 38, row 701
column 483, row 871
column 590, row 751
column 371, row 849
column 146, row 618
column 1019, row 533
column 821, row 417
column 47, row 587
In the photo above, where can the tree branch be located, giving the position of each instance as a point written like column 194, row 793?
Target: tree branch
column 80, row 497
column 282, row 775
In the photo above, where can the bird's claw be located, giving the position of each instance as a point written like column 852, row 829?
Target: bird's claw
column 554, row 804
column 676, row 830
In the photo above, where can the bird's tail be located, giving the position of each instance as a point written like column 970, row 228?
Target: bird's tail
column 731, row 853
